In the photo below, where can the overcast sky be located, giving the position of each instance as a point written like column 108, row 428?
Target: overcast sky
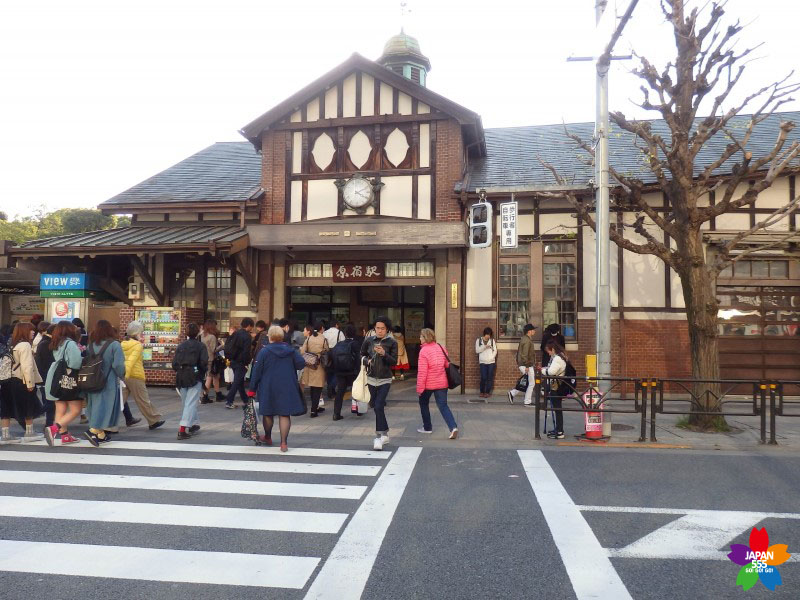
column 99, row 95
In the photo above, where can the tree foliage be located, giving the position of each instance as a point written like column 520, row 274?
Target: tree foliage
column 702, row 75
column 60, row 222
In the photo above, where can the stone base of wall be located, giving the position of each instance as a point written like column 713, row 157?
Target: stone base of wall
column 640, row 348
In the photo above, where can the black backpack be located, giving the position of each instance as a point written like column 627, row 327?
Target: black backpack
column 90, row 377
column 343, row 358
column 187, row 357
column 568, row 384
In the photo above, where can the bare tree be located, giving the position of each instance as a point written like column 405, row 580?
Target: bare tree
column 706, row 69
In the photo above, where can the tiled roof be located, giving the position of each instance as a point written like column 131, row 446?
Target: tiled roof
column 143, row 236
column 512, row 153
column 223, row 172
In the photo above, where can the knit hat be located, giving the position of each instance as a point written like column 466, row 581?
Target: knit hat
column 134, row 328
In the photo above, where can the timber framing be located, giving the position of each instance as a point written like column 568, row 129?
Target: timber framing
column 142, row 271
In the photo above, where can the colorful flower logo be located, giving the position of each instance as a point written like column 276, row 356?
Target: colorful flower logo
column 759, row 560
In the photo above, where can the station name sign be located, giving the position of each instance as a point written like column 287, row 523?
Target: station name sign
column 358, row 272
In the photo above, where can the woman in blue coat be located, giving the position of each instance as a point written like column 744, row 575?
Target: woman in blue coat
column 273, row 380
column 104, row 405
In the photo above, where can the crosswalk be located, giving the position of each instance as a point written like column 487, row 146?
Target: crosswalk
column 322, row 514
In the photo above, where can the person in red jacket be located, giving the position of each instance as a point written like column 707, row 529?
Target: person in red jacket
column 432, row 379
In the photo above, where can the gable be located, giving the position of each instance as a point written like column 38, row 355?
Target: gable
column 360, row 89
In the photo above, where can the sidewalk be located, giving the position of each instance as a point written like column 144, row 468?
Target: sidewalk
column 482, row 425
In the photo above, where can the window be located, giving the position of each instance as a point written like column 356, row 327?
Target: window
column 560, row 286
column 219, row 296
column 756, row 269
column 515, row 295
column 183, row 289
column 409, row 269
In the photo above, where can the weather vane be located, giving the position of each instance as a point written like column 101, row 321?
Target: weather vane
column 404, row 11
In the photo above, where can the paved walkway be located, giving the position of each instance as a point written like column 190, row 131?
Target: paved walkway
column 492, row 424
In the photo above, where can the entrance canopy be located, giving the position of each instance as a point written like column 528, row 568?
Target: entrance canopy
column 137, row 240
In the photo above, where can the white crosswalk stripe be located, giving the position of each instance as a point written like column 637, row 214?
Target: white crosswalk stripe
column 359, row 524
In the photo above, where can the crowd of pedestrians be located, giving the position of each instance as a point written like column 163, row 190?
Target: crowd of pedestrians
column 64, row 373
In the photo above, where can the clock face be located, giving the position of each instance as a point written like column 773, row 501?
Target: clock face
column 357, row 192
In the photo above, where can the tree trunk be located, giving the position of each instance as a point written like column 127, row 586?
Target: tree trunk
column 701, row 313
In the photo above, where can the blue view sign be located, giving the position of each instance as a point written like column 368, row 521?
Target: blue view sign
column 63, row 281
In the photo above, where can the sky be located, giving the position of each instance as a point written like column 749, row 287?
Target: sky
column 96, row 96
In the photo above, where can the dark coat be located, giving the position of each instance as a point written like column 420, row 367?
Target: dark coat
column 238, row 347
column 274, row 380
column 547, row 336
column 380, row 367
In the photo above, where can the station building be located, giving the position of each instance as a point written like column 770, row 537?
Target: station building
column 349, row 199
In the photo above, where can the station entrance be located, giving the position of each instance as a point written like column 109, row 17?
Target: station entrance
column 410, row 307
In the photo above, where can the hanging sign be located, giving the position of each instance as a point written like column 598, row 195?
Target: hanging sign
column 358, row 272
column 508, row 225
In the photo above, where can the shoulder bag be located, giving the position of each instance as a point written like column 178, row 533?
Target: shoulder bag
column 452, row 371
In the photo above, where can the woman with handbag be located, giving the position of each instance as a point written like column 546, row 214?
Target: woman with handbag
column 26, row 405
column 556, row 388
column 273, row 381
column 312, row 351
column 64, row 370
column 134, row 376
column 432, row 380
column 104, row 403
column 216, row 364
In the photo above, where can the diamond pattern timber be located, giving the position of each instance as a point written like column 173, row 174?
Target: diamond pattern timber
column 323, row 151
column 359, row 149
column 396, row 147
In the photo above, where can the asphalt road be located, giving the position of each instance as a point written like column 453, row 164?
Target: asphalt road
column 149, row 520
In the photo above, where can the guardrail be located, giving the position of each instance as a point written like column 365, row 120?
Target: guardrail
column 669, row 396
column 619, row 390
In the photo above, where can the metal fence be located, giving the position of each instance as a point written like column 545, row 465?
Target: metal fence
column 720, row 397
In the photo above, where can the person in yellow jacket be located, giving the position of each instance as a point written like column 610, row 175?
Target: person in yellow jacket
column 134, row 375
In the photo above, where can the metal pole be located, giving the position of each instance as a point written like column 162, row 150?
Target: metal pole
column 602, row 252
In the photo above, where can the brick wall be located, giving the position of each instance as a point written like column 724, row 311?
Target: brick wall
column 640, row 348
column 273, row 177
column 449, row 166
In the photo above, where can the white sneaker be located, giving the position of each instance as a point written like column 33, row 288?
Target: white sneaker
column 377, row 444
column 9, row 440
column 454, row 434
column 30, row 438
column 422, row 430
column 384, row 439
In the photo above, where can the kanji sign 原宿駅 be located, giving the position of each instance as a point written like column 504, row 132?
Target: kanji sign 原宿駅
column 358, row 272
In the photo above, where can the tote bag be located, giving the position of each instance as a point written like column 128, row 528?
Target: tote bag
column 360, row 390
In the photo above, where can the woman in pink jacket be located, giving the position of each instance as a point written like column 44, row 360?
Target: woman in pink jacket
column 432, row 379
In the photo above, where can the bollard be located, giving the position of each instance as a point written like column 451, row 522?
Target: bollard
column 536, row 417
column 763, row 409
column 652, row 385
column 643, row 431
column 772, row 440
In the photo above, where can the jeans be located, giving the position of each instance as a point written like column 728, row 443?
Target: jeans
column 342, row 383
column 487, row 377
column 378, row 396
column 555, row 403
column 49, row 408
column 441, row 401
column 330, row 380
column 190, row 397
column 239, row 372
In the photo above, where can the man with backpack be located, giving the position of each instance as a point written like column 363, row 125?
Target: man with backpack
column 237, row 352
column 190, row 363
column 345, row 363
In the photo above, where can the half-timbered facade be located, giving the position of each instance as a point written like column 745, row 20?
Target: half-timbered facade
column 348, row 200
